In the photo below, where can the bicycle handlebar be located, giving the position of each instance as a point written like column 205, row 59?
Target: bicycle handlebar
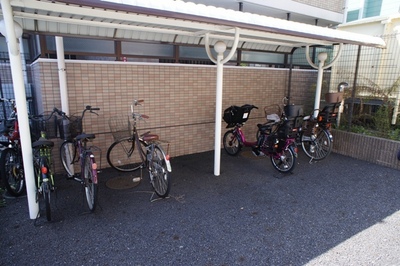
column 87, row 108
column 137, row 115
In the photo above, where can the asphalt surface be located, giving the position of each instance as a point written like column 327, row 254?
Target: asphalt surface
column 340, row 211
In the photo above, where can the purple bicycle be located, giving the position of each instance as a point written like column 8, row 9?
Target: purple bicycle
column 276, row 138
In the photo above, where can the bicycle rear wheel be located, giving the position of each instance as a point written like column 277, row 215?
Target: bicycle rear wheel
column 45, row 178
column 90, row 181
column 12, row 171
column 124, row 156
column 159, row 173
column 46, row 196
column 317, row 146
column 67, row 155
column 231, row 143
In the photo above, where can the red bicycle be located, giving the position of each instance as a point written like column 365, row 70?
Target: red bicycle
column 11, row 164
column 276, row 139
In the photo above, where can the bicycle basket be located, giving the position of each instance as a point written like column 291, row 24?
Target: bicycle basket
column 70, row 127
column 235, row 114
column 273, row 113
column 42, row 124
column 120, row 127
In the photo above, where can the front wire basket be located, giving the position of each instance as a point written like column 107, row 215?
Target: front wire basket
column 44, row 124
column 70, row 128
column 273, row 113
column 120, row 127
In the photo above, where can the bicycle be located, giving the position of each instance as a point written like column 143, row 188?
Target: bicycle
column 315, row 137
column 313, row 134
column 275, row 139
column 75, row 149
column 42, row 161
column 131, row 151
column 11, row 163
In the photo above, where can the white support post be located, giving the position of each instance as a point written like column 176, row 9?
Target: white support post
column 220, row 48
column 322, row 58
column 20, row 99
column 218, row 113
column 62, row 76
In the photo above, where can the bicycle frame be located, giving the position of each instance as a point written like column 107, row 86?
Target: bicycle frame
column 242, row 138
column 147, row 156
column 80, row 148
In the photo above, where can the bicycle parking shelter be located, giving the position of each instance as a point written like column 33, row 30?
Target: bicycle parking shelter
column 174, row 22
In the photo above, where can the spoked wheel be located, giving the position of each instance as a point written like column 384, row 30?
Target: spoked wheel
column 285, row 161
column 90, row 182
column 159, row 174
column 67, row 155
column 317, row 146
column 231, row 143
column 124, row 156
column 12, row 172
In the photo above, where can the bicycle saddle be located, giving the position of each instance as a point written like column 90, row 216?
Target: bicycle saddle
column 149, row 137
column 42, row 142
column 85, row 136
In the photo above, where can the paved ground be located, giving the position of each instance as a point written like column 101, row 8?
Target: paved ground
column 340, row 211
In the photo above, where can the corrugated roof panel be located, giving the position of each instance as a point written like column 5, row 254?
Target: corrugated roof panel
column 175, row 20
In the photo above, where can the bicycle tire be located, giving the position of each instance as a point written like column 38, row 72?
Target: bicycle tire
column 317, row 148
column 231, row 143
column 45, row 178
column 67, row 156
column 284, row 162
column 46, row 197
column 90, row 181
column 12, row 172
column 123, row 156
column 159, row 174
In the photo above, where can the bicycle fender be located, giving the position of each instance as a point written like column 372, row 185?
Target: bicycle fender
column 168, row 163
column 294, row 150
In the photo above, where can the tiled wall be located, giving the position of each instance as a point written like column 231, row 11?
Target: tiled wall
column 179, row 99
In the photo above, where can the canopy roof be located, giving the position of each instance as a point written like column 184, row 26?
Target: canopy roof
column 175, row 22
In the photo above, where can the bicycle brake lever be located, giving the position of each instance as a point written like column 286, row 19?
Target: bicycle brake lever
column 138, row 102
column 91, row 111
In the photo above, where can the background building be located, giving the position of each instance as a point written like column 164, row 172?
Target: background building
column 359, row 9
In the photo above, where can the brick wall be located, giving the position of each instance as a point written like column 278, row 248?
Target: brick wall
column 367, row 148
column 179, row 99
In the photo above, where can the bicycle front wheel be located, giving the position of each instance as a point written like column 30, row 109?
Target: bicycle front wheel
column 231, row 143
column 317, row 146
column 90, row 181
column 285, row 161
column 124, row 156
column 12, row 171
column 159, row 173
column 67, row 155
